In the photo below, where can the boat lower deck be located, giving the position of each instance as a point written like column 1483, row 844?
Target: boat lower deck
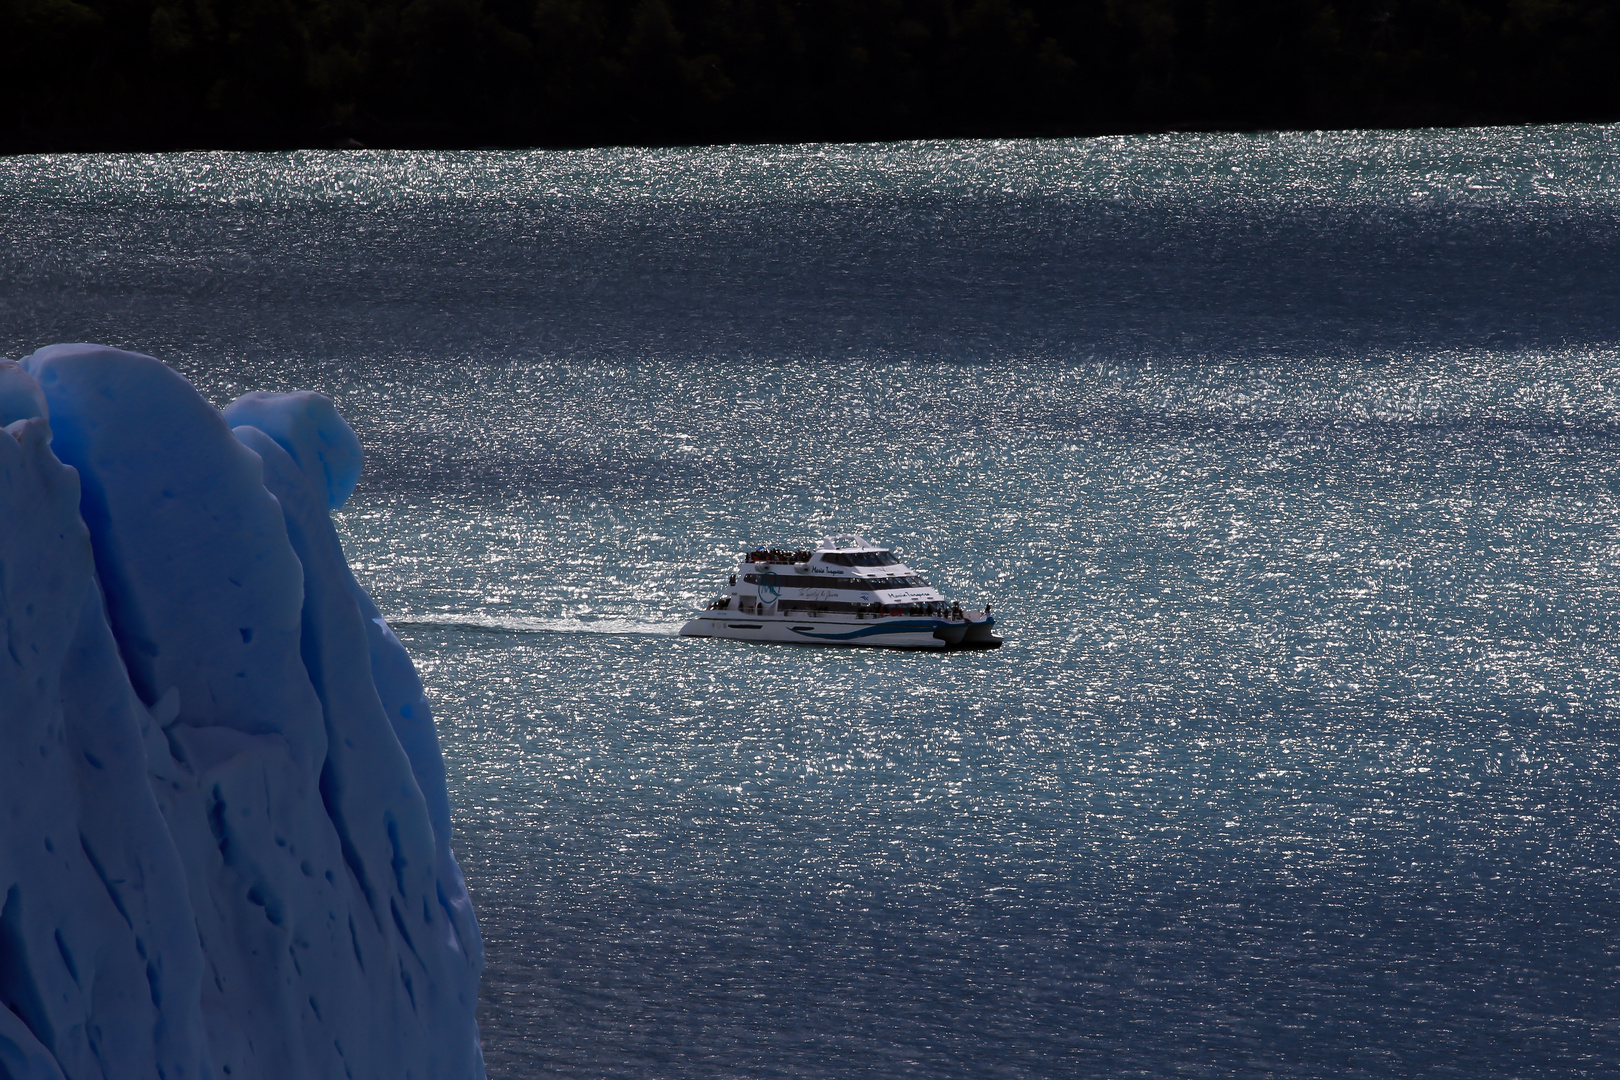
column 887, row 632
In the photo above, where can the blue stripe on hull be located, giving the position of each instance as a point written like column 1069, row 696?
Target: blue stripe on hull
column 868, row 631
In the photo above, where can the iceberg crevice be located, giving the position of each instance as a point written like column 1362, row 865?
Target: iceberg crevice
column 224, row 829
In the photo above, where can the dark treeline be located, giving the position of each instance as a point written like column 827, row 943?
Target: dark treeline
column 129, row 74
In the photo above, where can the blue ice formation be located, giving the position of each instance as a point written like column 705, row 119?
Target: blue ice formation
column 224, row 832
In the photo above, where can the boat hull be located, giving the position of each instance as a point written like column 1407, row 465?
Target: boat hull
column 898, row 632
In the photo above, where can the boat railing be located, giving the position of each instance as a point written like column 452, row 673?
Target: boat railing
column 776, row 556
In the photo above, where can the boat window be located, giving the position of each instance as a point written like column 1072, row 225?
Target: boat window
column 858, row 584
column 872, row 558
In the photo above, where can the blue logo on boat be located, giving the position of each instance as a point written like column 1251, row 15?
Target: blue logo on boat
column 770, row 587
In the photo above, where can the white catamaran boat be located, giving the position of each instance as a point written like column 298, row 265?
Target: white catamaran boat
column 846, row 592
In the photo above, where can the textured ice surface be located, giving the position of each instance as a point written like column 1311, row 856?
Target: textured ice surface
column 224, row 833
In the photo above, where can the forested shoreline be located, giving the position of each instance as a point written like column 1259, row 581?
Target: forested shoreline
column 166, row 74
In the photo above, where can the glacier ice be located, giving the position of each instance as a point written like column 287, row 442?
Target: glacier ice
column 224, row 830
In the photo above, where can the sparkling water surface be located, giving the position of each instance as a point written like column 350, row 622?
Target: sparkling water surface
column 1287, row 461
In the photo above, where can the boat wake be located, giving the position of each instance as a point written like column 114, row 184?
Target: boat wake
column 518, row 625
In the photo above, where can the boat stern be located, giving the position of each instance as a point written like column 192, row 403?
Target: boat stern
column 979, row 632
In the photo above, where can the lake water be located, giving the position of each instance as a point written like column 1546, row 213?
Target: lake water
column 1288, row 462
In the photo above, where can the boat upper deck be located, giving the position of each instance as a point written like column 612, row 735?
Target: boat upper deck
column 852, row 552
